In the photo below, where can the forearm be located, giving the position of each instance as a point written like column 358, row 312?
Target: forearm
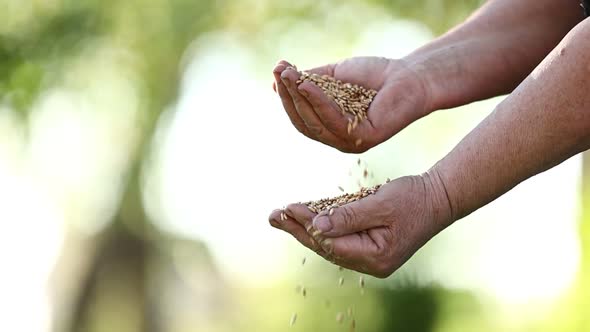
column 493, row 51
column 542, row 123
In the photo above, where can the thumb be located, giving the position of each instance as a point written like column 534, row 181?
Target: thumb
column 323, row 70
column 370, row 212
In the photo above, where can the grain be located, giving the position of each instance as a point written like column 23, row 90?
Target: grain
column 339, row 317
column 352, row 99
column 340, row 281
column 293, row 319
column 303, row 261
column 362, row 282
column 334, row 202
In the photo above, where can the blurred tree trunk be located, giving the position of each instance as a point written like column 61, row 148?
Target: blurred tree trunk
column 114, row 295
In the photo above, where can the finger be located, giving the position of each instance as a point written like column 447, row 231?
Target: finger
column 327, row 110
column 366, row 213
column 287, row 101
column 292, row 227
column 323, row 70
column 284, row 64
column 302, row 214
column 305, row 111
column 358, row 251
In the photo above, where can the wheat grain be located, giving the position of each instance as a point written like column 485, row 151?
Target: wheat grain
column 334, row 202
column 352, row 99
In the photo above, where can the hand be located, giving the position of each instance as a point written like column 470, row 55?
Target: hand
column 401, row 99
column 377, row 234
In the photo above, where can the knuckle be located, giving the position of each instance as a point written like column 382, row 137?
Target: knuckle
column 347, row 216
column 290, row 209
column 316, row 129
column 299, row 126
column 382, row 270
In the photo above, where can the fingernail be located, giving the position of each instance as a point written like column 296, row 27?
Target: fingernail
column 304, row 93
column 322, row 224
column 279, row 69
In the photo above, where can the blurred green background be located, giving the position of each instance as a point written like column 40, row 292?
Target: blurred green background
column 142, row 148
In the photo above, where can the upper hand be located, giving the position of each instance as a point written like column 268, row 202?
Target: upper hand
column 401, row 99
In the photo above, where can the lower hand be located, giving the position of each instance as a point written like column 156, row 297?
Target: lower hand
column 377, row 234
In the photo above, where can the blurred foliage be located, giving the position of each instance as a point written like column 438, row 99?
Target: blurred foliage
column 30, row 57
column 34, row 51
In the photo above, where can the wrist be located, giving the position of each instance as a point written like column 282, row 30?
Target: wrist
column 412, row 83
column 437, row 199
column 428, row 74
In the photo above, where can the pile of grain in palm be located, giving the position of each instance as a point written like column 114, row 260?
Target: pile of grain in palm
column 334, row 202
column 351, row 98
